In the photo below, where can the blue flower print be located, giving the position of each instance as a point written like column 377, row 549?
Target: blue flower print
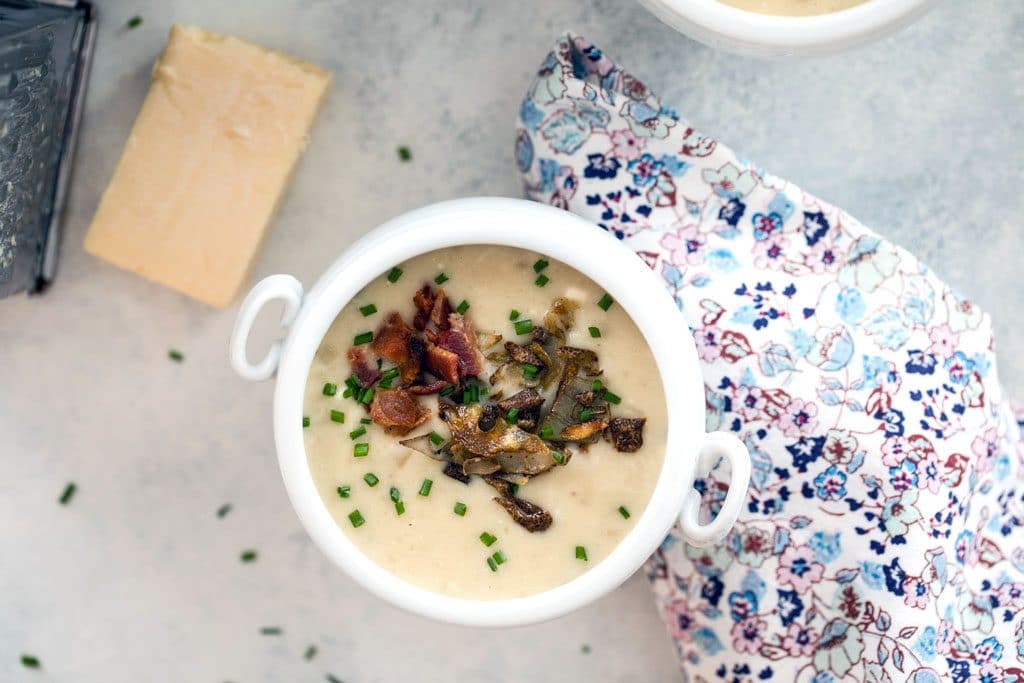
column 815, row 227
column 765, row 225
column 960, row 368
column 548, row 172
column 645, row 169
column 873, row 575
column 742, row 605
column 524, row 152
column 831, row 484
column 781, row 206
column 600, row 166
column 920, row 362
column 732, row 212
column 790, row 606
column 530, row 115
column 805, row 451
column 892, row 421
column 904, row 476
column 925, row 645
column 850, row 306
column 826, row 546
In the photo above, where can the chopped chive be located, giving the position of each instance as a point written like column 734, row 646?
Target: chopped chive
column 540, row 265
column 366, row 398
column 624, row 512
column 353, row 384
column 68, row 494
column 425, row 487
column 441, row 279
column 471, row 394
column 404, row 153
column 271, row 630
column 462, row 307
column 334, row 679
column 595, row 332
column 436, row 438
column 347, row 393
column 399, row 508
column 492, row 564
column 356, row 518
column 394, row 274
column 488, row 539
column 357, row 432
column 499, row 557
column 305, row 421
column 513, row 489
column 530, row 371
column 30, row 662
column 396, row 495
column 366, row 420
column 513, row 315
column 546, row 432
column 390, row 373
column 611, row 398
column 371, row 479
column 558, row 456
column 368, row 310
column 585, row 649
column 249, row 555
column 586, row 414
column 523, row 326
column 330, row 389
column 223, row 510
column 134, row 22
column 448, row 390
column 596, row 385
column 605, row 302
column 361, row 450
column 380, row 363
column 176, row 356
column 542, row 280
column 362, row 338
column 581, row 553
column 384, row 384
column 512, row 416
column 310, row 652
column 460, row 509
column 344, row 491
column 338, row 416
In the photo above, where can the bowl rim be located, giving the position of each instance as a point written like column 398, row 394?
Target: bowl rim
column 750, row 29
column 557, row 234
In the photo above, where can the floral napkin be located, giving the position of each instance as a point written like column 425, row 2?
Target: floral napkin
column 882, row 535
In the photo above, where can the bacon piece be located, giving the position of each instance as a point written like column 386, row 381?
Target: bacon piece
column 441, row 311
column 443, row 363
column 427, row 389
column 363, row 368
column 461, row 340
column 424, row 302
column 398, row 410
column 394, row 341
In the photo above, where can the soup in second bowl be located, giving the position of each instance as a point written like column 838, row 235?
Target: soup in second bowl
column 484, row 422
column 793, row 8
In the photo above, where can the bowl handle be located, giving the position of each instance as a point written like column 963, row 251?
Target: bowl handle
column 283, row 287
column 717, row 445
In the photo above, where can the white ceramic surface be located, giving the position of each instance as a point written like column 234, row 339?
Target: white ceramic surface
column 750, row 33
column 544, row 230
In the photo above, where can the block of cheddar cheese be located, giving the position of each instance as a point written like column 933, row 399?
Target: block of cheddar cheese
column 206, row 163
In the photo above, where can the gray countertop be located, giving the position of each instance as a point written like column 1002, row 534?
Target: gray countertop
column 137, row 579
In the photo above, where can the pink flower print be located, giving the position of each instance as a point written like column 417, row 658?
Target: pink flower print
column 944, row 341
column 798, row 568
column 709, row 343
column 625, row 145
column 985, row 447
column 894, row 451
column 799, row 641
column 750, row 403
column 686, row 245
column 840, row 446
column 770, row 252
column 747, row 635
column 679, row 616
column 822, row 258
column 990, row 672
column 915, row 592
column 1012, row 595
column 596, row 62
column 798, row 420
column 944, row 638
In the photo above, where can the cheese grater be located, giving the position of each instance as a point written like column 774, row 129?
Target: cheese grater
column 45, row 51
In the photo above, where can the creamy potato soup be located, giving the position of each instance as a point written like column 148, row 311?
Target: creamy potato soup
column 484, row 422
column 793, row 8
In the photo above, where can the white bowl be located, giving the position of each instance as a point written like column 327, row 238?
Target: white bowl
column 545, row 230
column 762, row 35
